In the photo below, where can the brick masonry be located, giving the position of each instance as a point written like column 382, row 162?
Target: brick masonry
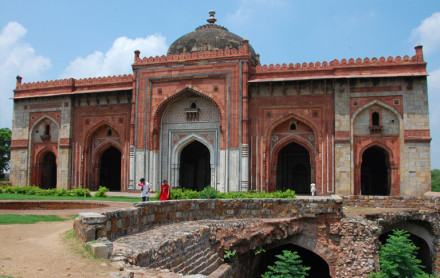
column 154, row 234
column 252, row 108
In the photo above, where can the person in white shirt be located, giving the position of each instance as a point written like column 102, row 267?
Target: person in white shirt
column 145, row 187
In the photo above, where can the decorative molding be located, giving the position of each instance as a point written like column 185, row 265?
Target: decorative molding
column 417, row 136
column 193, row 56
column 382, row 61
column 61, row 83
column 19, row 144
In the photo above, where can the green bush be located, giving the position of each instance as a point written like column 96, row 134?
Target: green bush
column 208, row 193
column 102, row 192
column 258, row 195
column 34, row 190
column 211, row 193
column 289, row 265
column 183, row 194
column 398, row 258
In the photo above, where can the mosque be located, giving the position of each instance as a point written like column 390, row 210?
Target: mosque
column 208, row 113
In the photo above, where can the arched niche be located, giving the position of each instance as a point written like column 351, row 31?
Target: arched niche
column 191, row 117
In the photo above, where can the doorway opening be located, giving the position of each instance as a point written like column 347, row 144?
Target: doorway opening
column 195, row 168
column 375, row 172
column 110, row 169
column 48, row 170
column 293, row 169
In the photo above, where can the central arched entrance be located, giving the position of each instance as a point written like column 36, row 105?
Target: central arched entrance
column 195, row 166
column 293, row 169
column 48, row 170
column 375, row 172
column 110, row 169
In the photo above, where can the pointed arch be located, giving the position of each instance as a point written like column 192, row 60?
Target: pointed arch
column 273, row 151
column 43, row 118
column 162, row 107
column 176, row 153
column 377, row 102
column 98, row 126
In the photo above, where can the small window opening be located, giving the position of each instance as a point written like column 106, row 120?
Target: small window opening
column 292, row 126
column 193, row 105
column 47, row 130
column 375, row 119
column 109, row 132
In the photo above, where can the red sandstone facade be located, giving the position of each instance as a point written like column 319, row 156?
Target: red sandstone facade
column 206, row 115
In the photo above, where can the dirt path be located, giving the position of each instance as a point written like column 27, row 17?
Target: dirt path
column 41, row 250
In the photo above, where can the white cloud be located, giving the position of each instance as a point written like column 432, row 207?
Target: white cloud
column 118, row 59
column 427, row 34
column 16, row 58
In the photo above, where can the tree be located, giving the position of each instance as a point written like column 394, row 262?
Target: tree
column 398, row 258
column 289, row 265
column 5, row 150
column 435, row 180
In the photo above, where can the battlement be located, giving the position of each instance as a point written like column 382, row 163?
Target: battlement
column 72, row 82
column 194, row 56
column 347, row 64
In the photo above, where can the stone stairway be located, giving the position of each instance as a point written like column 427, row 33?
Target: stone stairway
column 182, row 248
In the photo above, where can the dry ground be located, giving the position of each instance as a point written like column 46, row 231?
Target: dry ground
column 42, row 250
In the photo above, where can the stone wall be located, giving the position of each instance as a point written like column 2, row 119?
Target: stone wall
column 145, row 215
column 392, row 201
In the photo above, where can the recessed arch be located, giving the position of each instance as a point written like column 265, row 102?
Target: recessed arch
column 176, row 158
column 43, row 118
column 46, row 169
column 162, row 107
column 98, row 126
column 109, row 161
column 274, row 147
column 375, row 172
column 98, row 141
column 379, row 103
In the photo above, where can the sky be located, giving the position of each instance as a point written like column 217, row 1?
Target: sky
column 47, row 39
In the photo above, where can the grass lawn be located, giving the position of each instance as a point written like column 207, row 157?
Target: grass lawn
column 6, row 219
column 10, row 196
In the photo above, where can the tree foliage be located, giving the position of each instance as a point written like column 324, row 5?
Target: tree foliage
column 289, row 265
column 435, row 180
column 398, row 258
column 5, row 150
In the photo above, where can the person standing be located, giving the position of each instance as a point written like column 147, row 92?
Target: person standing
column 145, row 187
column 165, row 193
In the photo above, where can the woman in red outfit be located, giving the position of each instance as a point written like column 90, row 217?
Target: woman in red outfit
column 165, row 191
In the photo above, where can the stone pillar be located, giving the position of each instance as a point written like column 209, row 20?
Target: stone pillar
column 343, row 155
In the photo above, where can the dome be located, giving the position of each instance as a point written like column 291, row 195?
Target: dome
column 209, row 37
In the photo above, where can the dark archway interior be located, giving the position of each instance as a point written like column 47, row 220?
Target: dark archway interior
column 318, row 266
column 293, row 169
column 375, row 178
column 48, row 168
column 423, row 253
column 195, row 167
column 110, row 169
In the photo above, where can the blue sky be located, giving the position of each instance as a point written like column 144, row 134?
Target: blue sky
column 47, row 40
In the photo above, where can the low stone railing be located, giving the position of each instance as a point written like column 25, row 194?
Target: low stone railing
column 146, row 215
column 427, row 202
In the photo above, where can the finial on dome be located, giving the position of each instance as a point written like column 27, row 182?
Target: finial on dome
column 211, row 18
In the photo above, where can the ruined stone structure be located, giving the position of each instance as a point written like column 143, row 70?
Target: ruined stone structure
column 208, row 113
column 192, row 236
